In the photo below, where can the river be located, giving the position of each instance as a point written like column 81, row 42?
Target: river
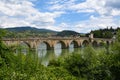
column 47, row 55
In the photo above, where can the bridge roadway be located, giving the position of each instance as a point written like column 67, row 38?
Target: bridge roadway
column 52, row 41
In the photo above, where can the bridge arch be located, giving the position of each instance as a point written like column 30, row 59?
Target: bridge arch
column 23, row 47
column 60, row 44
column 94, row 43
column 74, row 43
column 107, row 42
column 24, row 44
column 101, row 43
column 44, row 45
column 85, row 43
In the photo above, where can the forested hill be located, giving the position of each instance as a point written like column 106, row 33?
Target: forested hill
column 104, row 33
column 67, row 33
column 28, row 32
column 22, row 29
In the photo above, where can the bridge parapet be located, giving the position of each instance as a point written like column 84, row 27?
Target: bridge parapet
column 41, row 38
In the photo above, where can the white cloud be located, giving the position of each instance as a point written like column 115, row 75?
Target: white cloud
column 102, row 7
column 107, row 10
column 22, row 13
column 92, row 24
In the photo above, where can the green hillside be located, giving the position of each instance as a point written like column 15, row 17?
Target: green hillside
column 67, row 33
column 17, row 32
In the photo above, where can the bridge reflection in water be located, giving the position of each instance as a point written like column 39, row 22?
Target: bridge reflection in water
column 46, row 55
column 58, row 49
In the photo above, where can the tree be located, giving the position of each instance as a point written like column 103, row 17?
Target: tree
column 2, row 45
column 114, row 62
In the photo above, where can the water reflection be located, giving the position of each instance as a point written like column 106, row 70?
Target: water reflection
column 22, row 48
column 71, row 47
column 45, row 56
column 58, row 49
column 49, row 56
column 42, row 50
column 24, row 51
column 65, row 52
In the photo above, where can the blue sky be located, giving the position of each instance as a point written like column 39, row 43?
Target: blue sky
column 77, row 15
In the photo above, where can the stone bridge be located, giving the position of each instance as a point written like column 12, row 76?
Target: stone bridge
column 65, row 42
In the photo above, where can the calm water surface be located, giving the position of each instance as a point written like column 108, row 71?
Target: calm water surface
column 46, row 55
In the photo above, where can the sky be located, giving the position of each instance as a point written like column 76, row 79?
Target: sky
column 78, row 15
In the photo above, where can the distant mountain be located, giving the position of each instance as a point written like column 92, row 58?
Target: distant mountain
column 27, row 28
column 67, row 33
column 29, row 32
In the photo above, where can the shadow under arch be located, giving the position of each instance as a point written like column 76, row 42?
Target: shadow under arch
column 25, row 44
column 61, row 44
column 23, row 47
column 102, row 43
column 44, row 45
column 107, row 43
column 94, row 44
column 74, row 43
column 85, row 43
column 112, row 42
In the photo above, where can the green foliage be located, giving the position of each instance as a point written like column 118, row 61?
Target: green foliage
column 60, row 73
column 76, row 65
column 104, row 33
column 2, row 33
column 3, row 48
column 67, row 33
column 118, row 36
column 88, row 65
column 114, row 63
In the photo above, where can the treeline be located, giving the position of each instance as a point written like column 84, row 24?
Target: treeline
column 104, row 33
column 67, row 33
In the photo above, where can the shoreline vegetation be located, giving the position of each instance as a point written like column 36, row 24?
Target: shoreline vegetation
column 92, row 64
